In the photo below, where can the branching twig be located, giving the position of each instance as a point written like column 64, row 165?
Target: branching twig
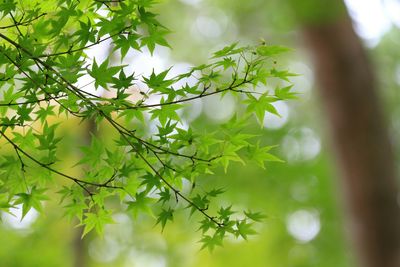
column 70, row 50
column 124, row 133
column 22, row 23
column 46, row 166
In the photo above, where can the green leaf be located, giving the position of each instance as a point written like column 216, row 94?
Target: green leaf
column 165, row 196
column 210, row 242
column 230, row 153
column 261, row 154
column 215, row 192
column 271, row 50
column 85, row 33
column 206, row 224
column 5, row 204
column 201, row 202
column 96, row 221
column 47, row 139
column 155, row 37
column 24, row 113
column 165, row 216
column 158, row 82
column 142, row 203
column 6, row 6
column 226, row 63
column 46, row 58
column 166, row 113
column 260, row 106
column 92, row 155
column 255, row 216
column 44, row 113
column 282, row 74
column 228, row 50
column 103, row 74
column 125, row 43
column 151, row 181
column 26, row 140
column 75, row 210
column 285, row 93
column 123, row 81
column 244, row 229
column 31, row 200
column 225, row 213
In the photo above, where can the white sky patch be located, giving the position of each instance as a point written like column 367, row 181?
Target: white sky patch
column 302, row 83
column 104, row 250
column 181, row 68
column 304, row 225
column 191, row 2
column 392, row 8
column 184, row 125
column 140, row 258
column 143, row 63
column 207, row 27
column 272, row 121
column 219, row 109
column 100, row 53
column 371, row 21
column 193, row 110
column 15, row 221
column 301, row 145
column 152, row 124
column 213, row 24
column 121, row 228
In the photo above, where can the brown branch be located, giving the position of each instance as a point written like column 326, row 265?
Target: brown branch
column 122, row 131
column 46, row 166
column 70, row 51
column 45, row 99
column 23, row 23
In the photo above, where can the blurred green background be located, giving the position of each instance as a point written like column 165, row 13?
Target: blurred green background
column 305, row 223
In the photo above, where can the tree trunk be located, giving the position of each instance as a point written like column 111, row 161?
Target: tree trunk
column 80, row 245
column 360, row 139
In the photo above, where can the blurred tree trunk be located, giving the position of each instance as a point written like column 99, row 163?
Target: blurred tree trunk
column 359, row 135
column 79, row 248
column 80, row 245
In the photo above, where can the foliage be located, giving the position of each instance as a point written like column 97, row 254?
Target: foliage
column 43, row 53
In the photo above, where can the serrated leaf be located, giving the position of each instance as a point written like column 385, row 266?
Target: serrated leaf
column 96, row 221
column 142, row 203
column 261, row 154
column 210, row 242
column 255, row 216
column 271, row 50
column 103, row 74
column 244, row 229
column 30, row 200
column 165, row 216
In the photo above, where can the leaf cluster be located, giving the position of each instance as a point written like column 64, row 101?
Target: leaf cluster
column 44, row 52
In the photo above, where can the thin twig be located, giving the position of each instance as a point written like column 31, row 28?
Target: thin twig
column 46, row 166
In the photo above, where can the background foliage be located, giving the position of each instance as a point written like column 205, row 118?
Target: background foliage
column 303, row 225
